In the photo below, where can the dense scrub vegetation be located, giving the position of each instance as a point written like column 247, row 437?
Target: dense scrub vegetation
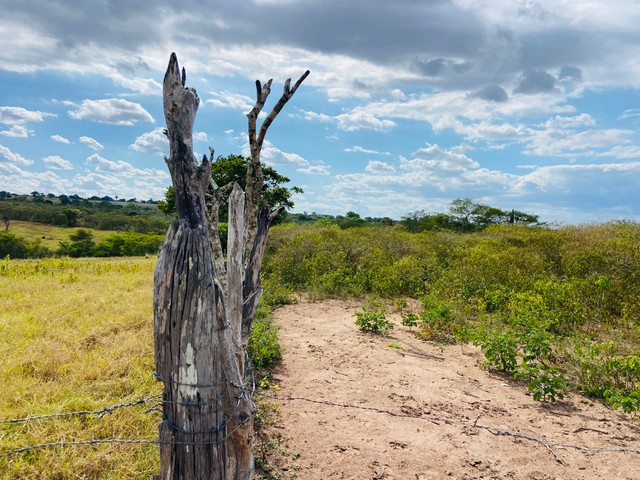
column 554, row 307
column 82, row 243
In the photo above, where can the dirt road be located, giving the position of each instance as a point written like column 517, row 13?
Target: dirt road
column 361, row 408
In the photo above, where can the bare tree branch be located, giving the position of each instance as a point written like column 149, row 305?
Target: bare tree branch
column 286, row 96
column 255, row 177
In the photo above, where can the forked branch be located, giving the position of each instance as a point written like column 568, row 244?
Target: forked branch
column 255, row 177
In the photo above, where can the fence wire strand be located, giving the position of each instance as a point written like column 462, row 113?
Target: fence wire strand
column 97, row 413
column 156, row 400
column 453, row 421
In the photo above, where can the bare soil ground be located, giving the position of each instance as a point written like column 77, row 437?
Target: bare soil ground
column 361, row 409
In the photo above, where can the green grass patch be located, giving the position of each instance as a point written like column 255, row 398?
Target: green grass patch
column 50, row 236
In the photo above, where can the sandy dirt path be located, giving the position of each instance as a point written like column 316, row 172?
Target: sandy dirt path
column 361, row 409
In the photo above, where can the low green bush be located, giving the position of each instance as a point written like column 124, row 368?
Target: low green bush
column 264, row 345
column 372, row 319
column 276, row 295
column 525, row 351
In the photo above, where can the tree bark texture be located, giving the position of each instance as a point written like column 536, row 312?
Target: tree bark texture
column 206, row 429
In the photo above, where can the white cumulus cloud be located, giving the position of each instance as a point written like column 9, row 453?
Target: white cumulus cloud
column 92, row 143
column 16, row 131
column 359, row 149
column 115, row 111
column 20, row 116
column 235, row 101
column 56, row 162
column 375, row 166
column 155, row 142
column 124, row 169
column 12, row 157
column 60, row 139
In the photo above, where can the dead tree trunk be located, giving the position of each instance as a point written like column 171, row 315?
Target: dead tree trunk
column 206, row 427
column 203, row 310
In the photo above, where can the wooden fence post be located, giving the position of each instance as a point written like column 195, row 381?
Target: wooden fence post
column 202, row 324
column 205, row 400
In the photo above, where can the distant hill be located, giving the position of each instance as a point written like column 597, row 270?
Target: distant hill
column 100, row 213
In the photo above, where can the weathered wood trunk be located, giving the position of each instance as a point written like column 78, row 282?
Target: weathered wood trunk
column 206, row 428
column 204, row 307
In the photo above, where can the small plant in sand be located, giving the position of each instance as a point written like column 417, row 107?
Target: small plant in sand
column 409, row 319
column 373, row 319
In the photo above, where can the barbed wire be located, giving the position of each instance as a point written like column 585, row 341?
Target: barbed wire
column 98, row 413
column 143, row 441
column 78, row 442
column 453, row 421
column 156, row 400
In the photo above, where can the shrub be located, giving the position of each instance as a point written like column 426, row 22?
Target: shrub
column 12, row 246
column 439, row 320
column 264, row 346
column 129, row 244
column 628, row 401
column 602, row 373
column 402, row 277
column 545, row 383
column 373, row 319
column 409, row 319
column 276, row 295
column 81, row 245
column 525, row 352
column 500, row 350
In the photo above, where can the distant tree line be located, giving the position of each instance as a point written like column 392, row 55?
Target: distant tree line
column 101, row 213
column 464, row 216
column 144, row 225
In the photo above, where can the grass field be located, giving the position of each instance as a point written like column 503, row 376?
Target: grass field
column 49, row 235
column 76, row 335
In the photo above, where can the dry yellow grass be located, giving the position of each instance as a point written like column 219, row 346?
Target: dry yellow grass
column 49, row 235
column 76, row 335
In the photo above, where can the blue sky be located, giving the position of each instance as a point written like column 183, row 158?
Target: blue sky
column 531, row 105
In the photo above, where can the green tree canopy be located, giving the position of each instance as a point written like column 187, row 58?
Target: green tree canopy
column 81, row 245
column 233, row 168
column 12, row 246
column 465, row 215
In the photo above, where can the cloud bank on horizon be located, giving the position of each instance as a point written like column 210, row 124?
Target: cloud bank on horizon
column 525, row 104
